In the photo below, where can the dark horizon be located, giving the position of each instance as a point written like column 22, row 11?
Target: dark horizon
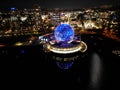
column 67, row 4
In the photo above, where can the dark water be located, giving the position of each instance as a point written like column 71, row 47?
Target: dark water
column 31, row 67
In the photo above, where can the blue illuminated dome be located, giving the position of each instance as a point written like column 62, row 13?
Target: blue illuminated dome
column 64, row 33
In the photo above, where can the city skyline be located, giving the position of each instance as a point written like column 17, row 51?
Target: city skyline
column 20, row 4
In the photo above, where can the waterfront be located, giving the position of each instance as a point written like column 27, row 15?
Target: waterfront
column 30, row 63
column 25, row 63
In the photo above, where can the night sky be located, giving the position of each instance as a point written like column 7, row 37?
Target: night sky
column 5, row 4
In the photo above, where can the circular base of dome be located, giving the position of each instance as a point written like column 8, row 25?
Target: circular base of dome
column 66, row 48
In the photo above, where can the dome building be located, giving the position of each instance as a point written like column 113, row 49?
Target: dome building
column 64, row 44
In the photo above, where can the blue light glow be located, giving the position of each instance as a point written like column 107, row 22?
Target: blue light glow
column 64, row 33
column 13, row 8
column 22, row 51
column 64, row 65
